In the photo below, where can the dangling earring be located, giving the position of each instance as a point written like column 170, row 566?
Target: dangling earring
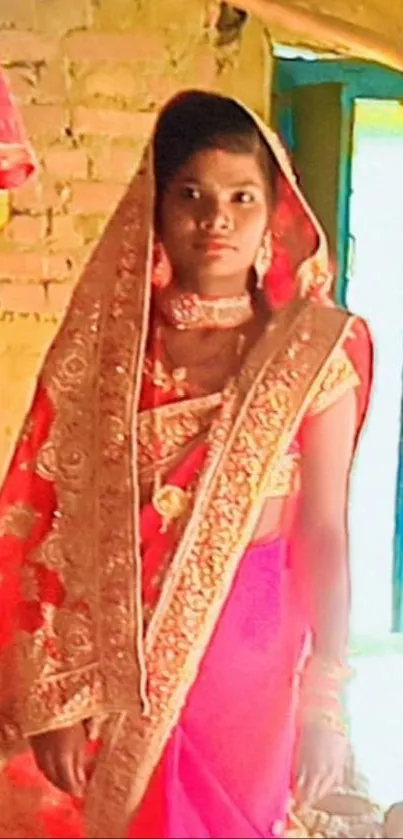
column 162, row 270
column 264, row 258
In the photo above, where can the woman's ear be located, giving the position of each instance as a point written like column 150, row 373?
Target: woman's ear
column 162, row 269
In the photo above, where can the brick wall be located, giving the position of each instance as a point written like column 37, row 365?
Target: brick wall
column 89, row 76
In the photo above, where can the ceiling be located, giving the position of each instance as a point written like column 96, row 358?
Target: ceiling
column 367, row 29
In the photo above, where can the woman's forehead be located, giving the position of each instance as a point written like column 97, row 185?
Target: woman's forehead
column 228, row 167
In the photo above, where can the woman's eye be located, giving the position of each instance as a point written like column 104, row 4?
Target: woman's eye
column 243, row 197
column 191, row 192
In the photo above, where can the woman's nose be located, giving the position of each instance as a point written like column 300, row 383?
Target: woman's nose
column 216, row 218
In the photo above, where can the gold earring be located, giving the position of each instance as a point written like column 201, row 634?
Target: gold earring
column 264, row 258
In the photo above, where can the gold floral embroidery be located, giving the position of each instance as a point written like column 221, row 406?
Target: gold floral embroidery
column 46, row 462
column 161, row 378
column 340, row 377
column 18, row 521
column 88, row 656
column 284, row 479
column 265, row 408
column 29, row 584
column 180, row 424
column 93, row 378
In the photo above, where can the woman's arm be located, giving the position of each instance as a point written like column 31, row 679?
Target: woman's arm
column 320, row 535
column 320, row 558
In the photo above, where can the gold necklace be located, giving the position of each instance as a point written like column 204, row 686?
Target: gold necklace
column 169, row 501
column 188, row 310
column 181, row 374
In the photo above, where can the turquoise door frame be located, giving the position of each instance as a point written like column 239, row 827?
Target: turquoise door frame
column 358, row 80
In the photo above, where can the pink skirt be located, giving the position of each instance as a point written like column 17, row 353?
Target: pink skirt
column 226, row 771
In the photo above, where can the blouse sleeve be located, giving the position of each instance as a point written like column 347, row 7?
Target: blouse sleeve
column 341, row 376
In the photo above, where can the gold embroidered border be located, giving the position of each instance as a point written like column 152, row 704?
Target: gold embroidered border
column 340, row 378
column 179, row 422
column 267, row 404
column 18, row 520
column 283, row 481
column 92, row 375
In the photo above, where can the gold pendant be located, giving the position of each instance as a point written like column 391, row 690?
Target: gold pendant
column 170, row 502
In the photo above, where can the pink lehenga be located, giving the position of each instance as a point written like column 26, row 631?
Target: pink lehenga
column 178, row 641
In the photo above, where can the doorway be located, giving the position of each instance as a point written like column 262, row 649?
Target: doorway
column 360, row 171
column 343, row 123
column 374, row 288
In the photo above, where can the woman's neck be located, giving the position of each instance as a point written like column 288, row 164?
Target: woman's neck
column 213, row 288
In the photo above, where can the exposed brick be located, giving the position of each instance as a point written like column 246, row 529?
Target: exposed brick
column 56, row 17
column 116, row 15
column 182, row 32
column 90, row 227
column 56, row 267
column 36, row 266
column 64, row 234
column 58, row 296
column 159, row 88
column 26, row 230
column 200, row 65
column 29, row 297
column 92, row 198
column 174, row 16
column 49, row 120
column 67, row 163
column 21, row 267
column 22, row 81
column 29, row 197
column 52, row 83
column 18, row 14
column 112, row 123
column 116, row 163
column 118, row 47
column 56, row 194
column 113, row 84
column 26, row 47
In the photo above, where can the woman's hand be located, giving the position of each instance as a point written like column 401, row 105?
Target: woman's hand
column 321, row 760
column 60, row 755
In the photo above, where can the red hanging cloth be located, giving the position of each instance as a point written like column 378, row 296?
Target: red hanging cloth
column 17, row 160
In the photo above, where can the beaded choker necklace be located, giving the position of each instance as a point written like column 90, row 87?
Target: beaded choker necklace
column 188, row 310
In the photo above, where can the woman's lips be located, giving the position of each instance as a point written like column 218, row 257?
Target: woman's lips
column 214, row 246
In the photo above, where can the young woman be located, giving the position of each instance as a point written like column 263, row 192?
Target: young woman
column 174, row 518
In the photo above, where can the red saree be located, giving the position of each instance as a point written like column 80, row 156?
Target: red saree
column 176, row 642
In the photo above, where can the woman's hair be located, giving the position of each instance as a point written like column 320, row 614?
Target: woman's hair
column 195, row 121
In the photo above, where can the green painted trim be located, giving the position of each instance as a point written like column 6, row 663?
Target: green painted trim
column 343, row 210
column 364, row 80
column 397, row 596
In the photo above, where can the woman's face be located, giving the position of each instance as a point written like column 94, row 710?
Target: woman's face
column 213, row 217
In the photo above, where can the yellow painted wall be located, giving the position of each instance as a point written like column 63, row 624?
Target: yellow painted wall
column 89, row 78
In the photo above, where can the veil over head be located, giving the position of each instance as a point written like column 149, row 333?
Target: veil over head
column 300, row 260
